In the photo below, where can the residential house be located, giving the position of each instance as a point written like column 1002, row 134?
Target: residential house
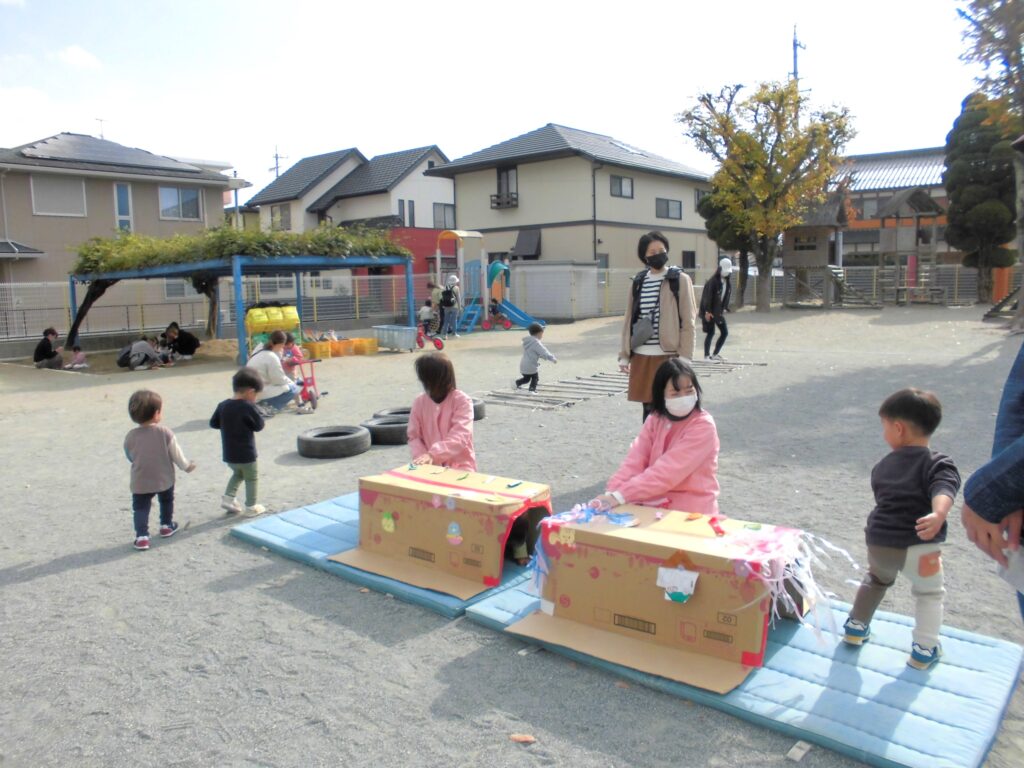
column 900, row 209
column 344, row 188
column 563, row 194
column 60, row 191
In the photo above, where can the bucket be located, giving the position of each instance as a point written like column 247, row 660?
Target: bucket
column 365, row 346
column 337, row 348
column 346, row 346
column 255, row 321
column 290, row 317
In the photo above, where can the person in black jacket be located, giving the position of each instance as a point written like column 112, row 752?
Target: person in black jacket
column 714, row 303
column 181, row 343
column 46, row 355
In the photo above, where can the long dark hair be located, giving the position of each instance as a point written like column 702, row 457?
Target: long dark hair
column 672, row 370
column 437, row 375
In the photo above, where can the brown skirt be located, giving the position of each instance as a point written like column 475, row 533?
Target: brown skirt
column 641, row 375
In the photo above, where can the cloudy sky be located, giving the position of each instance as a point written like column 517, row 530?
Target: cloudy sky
column 230, row 80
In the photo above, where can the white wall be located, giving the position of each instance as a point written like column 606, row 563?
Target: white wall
column 424, row 191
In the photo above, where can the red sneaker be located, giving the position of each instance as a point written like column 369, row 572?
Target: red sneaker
column 141, row 543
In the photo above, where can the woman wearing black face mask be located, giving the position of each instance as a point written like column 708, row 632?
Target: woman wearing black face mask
column 657, row 325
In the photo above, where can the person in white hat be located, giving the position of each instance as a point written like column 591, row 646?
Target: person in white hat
column 714, row 303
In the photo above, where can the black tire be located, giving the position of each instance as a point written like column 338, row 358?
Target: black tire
column 479, row 409
column 388, row 430
column 333, row 442
column 394, row 412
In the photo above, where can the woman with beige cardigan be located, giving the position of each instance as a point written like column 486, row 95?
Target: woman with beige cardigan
column 658, row 324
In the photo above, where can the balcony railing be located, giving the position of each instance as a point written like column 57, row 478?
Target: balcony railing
column 505, row 200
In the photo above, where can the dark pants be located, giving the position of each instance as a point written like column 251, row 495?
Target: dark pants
column 141, row 503
column 533, row 378
column 723, row 330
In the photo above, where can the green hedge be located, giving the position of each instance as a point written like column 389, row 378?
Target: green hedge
column 130, row 251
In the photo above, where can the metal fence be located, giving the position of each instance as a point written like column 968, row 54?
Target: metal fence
column 552, row 292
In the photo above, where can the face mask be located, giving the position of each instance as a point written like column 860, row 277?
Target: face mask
column 680, row 407
column 657, row 261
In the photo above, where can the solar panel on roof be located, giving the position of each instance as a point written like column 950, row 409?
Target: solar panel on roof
column 87, row 149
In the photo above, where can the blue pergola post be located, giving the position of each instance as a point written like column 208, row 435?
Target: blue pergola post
column 243, row 341
column 72, row 298
column 409, row 298
column 298, row 300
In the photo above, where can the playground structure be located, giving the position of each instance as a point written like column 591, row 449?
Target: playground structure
column 480, row 283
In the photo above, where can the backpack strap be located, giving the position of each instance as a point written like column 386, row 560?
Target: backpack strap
column 638, row 283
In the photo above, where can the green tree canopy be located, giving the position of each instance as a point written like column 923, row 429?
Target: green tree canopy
column 995, row 34
column 775, row 160
column 980, row 184
column 729, row 235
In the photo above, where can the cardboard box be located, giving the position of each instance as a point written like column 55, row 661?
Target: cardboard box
column 677, row 596
column 443, row 529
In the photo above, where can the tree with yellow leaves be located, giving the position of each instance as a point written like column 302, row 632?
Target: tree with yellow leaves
column 775, row 160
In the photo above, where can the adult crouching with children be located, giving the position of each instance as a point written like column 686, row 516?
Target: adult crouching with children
column 659, row 323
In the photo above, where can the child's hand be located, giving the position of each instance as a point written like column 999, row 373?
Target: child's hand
column 424, row 459
column 928, row 527
column 604, row 502
column 191, row 466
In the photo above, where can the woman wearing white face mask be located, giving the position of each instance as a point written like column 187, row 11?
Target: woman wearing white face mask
column 675, row 456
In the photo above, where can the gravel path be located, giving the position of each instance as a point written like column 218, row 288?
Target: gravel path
column 207, row 651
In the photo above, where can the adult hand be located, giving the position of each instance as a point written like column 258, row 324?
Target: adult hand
column 603, row 502
column 623, row 366
column 191, row 467
column 422, row 459
column 708, row 316
column 993, row 538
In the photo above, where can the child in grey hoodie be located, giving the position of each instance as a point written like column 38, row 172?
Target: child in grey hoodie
column 533, row 351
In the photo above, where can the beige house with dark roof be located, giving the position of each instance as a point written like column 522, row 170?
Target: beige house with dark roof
column 58, row 192
column 562, row 194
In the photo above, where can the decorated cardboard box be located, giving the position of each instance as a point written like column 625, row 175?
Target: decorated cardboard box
column 443, row 529
column 680, row 595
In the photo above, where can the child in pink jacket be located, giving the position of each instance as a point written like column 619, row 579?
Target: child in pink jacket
column 441, row 420
column 675, row 456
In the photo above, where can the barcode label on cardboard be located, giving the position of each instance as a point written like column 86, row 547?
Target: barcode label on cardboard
column 472, row 563
column 719, row 636
column 639, row 625
column 421, row 554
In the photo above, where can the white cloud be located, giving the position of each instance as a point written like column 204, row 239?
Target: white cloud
column 13, row 2
column 76, row 56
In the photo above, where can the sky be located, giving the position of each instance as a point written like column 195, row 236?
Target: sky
column 238, row 81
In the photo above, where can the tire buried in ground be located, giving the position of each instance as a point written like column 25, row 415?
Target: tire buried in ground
column 479, row 409
column 394, row 412
column 333, row 442
column 388, row 430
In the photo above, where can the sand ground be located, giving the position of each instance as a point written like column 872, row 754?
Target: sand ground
column 207, row 651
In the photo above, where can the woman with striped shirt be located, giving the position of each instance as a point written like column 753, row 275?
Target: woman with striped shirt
column 673, row 319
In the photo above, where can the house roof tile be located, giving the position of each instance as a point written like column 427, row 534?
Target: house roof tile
column 79, row 152
column 553, row 141
column 379, row 175
column 895, row 170
column 303, row 176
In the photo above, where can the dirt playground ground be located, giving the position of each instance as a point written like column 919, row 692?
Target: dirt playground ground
column 206, row 651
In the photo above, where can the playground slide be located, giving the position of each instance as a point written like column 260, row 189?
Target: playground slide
column 517, row 316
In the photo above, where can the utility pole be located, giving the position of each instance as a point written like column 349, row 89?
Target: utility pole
column 100, row 120
column 277, row 162
column 796, row 45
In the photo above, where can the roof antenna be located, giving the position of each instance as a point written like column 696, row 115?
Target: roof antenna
column 796, row 45
column 100, row 120
column 277, row 162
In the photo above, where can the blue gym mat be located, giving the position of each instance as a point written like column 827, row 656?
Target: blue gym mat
column 865, row 703
column 313, row 533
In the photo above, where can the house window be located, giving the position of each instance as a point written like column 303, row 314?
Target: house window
column 281, row 217
column 805, row 243
column 123, row 207
column 689, row 259
column 401, row 211
column 444, row 216
column 622, row 186
column 180, row 203
column 58, row 196
column 271, row 285
column 698, row 195
column 178, row 288
column 508, row 181
column 412, row 213
column 668, row 209
column 430, row 163
column 869, row 208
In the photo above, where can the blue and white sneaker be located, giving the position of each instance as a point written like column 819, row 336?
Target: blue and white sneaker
column 923, row 658
column 856, row 632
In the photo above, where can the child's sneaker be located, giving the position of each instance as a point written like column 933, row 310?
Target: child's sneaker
column 515, row 384
column 923, row 658
column 168, row 530
column 255, row 509
column 230, row 503
column 856, row 632
column 141, row 543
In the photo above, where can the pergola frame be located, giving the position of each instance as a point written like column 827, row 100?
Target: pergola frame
column 237, row 267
